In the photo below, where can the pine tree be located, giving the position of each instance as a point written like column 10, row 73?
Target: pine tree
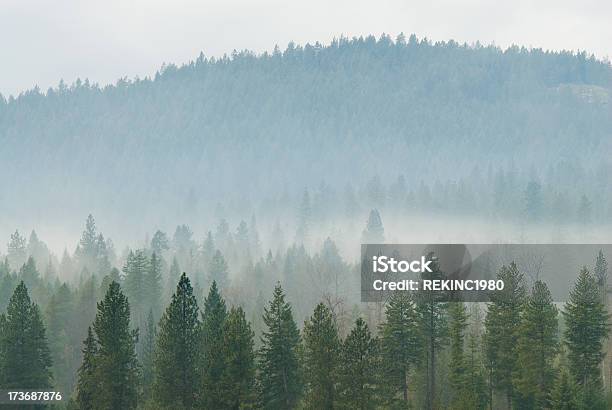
column 217, row 270
column 502, row 330
column 153, row 281
column 59, row 314
column 401, row 346
column 601, row 275
column 475, row 395
column 278, row 365
column 87, row 250
column 321, row 351
column 433, row 327
column 16, row 250
column 358, row 365
column 212, row 338
column 586, row 328
column 564, row 395
column 237, row 387
column 537, row 347
column 147, row 355
column 175, row 361
column 26, row 360
column 136, row 270
column 374, row 231
column 86, row 385
column 116, row 368
column 159, row 243
column 29, row 274
column 458, row 376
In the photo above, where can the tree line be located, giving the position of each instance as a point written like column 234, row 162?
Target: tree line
column 517, row 351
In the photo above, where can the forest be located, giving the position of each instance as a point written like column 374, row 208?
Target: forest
column 462, row 128
column 231, row 195
column 169, row 326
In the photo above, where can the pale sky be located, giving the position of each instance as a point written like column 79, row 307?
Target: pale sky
column 43, row 41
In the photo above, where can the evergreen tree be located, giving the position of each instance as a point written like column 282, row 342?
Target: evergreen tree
column 321, row 351
column 212, row 339
column 147, row 355
column 26, row 360
column 433, row 327
column 537, row 348
column 153, row 281
column 159, row 243
column 29, row 274
column 136, row 270
column 217, row 270
column 601, row 275
column 116, row 368
column 278, row 365
column 374, row 231
column 87, row 383
column 502, row 330
column 564, row 393
column 237, row 388
column 358, row 364
column 62, row 341
column 458, row 376
column 586, row 322
column 16, row 250
column 401, row 346
column 175, row 360
column 87, row 251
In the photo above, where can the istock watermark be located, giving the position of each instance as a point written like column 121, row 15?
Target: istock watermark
column 469, row 272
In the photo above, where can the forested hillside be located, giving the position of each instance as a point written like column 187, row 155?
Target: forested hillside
column 245, row 132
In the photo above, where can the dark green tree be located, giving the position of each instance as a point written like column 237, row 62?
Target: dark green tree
column 458, row 371
column 401, row 345
column 238, row 379
column 433, row 327
column 321, row 359
column 211, row 343
column 63, row 342
column 87, row 383
column 564, row 395
column 116, row 369
column 176, row 380
column 601, row 274
column 358, row 365
column 147, row 356
column 537, row 348
column 26, row 360
column 586, row 329
column 502, row 325
column 279, row 379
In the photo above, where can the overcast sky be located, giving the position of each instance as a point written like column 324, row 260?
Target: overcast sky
column 43, row 41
